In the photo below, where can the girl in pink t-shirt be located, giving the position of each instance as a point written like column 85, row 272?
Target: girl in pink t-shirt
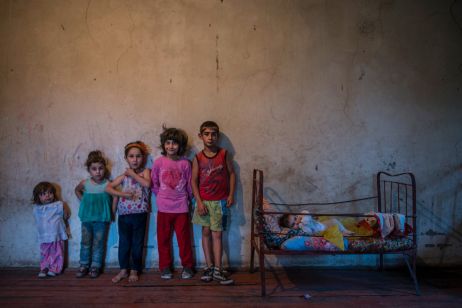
column 171, row 183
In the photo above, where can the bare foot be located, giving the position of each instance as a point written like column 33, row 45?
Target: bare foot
column 120, row 276
column 133, row 276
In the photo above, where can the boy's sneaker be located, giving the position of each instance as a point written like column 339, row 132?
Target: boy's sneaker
column 51, row 274
column 82, row 272
column 166, row 274
column 42, row 273
column 207, row 275
column 220, row 277
column 187, row 273
column 225, row 273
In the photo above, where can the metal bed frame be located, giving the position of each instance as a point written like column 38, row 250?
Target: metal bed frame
column 396, row 193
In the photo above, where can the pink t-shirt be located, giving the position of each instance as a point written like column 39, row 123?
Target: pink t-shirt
column 171, row 183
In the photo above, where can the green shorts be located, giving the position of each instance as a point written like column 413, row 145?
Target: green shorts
column 216, row 218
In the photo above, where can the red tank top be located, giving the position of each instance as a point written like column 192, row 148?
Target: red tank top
column 213, row 176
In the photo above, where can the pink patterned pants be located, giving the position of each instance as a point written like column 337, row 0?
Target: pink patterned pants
column 52, row 256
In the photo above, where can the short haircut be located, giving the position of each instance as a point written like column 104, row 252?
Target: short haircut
column 209, row 124
column 176, row 135
column 40, row 188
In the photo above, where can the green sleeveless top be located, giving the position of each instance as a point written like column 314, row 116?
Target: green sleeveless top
column 95, row 205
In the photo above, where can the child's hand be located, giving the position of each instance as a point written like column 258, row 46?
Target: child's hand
column 201, row 209
column 230, row 201
column 298, row 219
column 129, row 195
column 130, row 172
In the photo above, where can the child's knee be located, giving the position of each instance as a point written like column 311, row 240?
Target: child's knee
column 216, row 234
column 206, row 231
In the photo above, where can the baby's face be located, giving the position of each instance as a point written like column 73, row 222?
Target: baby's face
column 293, row 220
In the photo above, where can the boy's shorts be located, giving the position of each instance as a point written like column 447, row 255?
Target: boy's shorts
column 216, row 217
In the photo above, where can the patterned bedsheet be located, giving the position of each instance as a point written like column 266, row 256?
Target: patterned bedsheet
column 353, row 245
column 290, row 239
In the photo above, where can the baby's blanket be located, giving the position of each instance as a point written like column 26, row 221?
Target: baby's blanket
column 390, row 223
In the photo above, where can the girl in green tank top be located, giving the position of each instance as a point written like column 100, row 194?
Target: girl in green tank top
column 95, row 215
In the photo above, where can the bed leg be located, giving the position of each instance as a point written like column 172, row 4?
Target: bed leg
column 412, row 271
column 262, row 273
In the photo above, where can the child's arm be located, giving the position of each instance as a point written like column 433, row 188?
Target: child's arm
column 201, row 209
column 66, row 212
column 143, row 178
column 115, row 200
column 79, row 189
column 188, row 185
column 232, row 181
column 110, row 188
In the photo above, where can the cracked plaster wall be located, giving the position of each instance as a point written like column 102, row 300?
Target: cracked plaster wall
column 318, row 94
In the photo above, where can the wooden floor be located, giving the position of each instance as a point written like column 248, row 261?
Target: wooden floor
column 325, row 287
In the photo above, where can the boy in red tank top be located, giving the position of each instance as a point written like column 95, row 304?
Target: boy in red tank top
column 213, row 184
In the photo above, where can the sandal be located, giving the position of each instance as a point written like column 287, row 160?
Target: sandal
column 133, row 276
column 120, row 276
column 94, row 272
column 82, row 272
column 42, row 273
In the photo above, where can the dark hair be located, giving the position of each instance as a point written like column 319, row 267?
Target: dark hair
column 177, row 135
column 97, row 157
column 209, row 124
column 40, row 188
column 284, row 221
column 139, row 145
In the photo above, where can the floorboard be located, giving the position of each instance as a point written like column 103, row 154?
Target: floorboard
column 325, row 288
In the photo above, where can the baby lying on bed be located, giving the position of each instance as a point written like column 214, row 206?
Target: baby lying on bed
column 311, row 226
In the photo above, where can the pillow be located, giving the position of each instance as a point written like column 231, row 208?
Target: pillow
column 296, row 243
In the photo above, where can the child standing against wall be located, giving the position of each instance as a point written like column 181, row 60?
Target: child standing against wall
column 213, row 184
column 95, row 215
column 171, row 183
column 49, row 218
column 133, row 207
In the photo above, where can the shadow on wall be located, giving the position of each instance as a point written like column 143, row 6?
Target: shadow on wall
column 232, row 238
